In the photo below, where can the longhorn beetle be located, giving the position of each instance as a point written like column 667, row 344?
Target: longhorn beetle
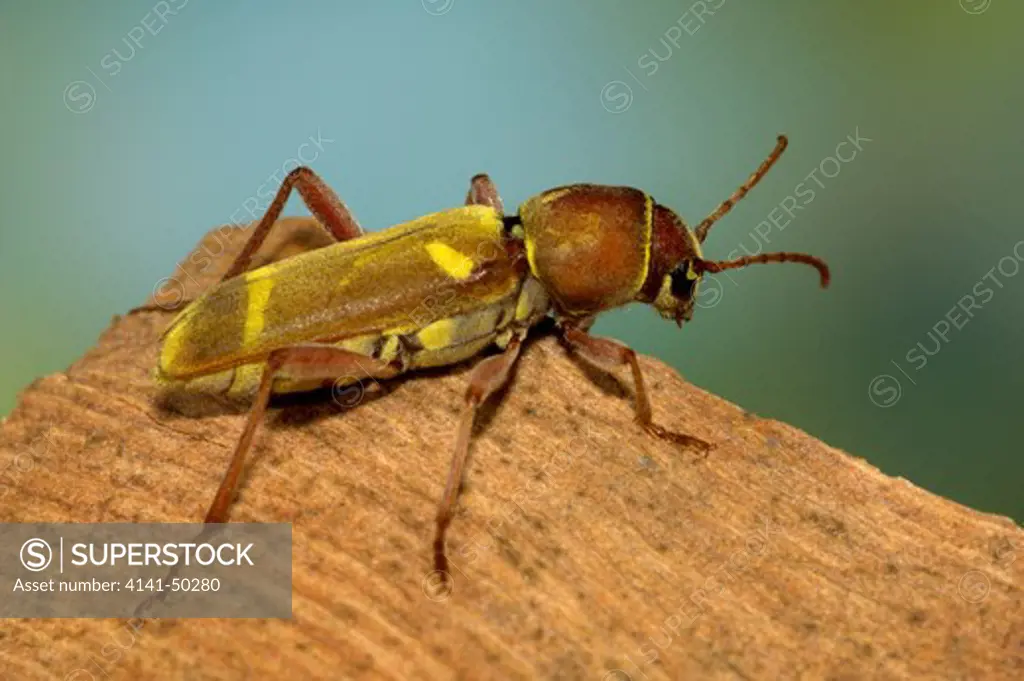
column 436, row 291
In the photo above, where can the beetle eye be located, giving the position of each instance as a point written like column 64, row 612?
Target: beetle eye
column 683, row 280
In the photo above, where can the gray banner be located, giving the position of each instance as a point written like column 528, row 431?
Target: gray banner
column 145, row 570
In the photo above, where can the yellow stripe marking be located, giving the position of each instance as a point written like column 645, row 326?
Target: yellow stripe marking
column 523, row 306
column 457, row 265
column 437, row 335
column 553, row 195
column 531, row 255
column 529, row 295
column 173, row 341
column 694, row 243
column 362, row 345
column 389, row 350
column 665, row 299
column 648, row 229
column 258, row 290
column 246, row 380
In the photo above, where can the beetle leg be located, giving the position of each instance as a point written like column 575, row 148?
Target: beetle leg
column 610, row 353
column 488, row 376
column 483, row 192
column 299, row 362
column 321, row 201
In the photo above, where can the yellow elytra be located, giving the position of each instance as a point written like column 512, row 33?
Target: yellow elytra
column 429, row 292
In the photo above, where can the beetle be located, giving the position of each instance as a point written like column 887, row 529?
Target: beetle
column 439, row 290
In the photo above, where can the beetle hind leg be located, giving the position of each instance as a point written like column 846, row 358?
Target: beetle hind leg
column 488, row 377
column 608, row 352
column 321, row 201
column 296, row 363
column 329, row 210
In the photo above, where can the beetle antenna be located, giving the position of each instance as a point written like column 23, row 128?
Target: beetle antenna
column 713, row 266
column 702, row 229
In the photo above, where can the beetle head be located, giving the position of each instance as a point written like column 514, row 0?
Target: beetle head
column 673, row 280
column 677, row 265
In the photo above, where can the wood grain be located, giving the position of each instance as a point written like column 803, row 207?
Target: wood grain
column 581, row 547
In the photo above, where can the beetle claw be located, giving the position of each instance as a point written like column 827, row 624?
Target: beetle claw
column 681, row 439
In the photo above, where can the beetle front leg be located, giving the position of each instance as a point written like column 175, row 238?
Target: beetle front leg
column 300, row 362
column 483, row 192
column 488, row 376
column 610, row 353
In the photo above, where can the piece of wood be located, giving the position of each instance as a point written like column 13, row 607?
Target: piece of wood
column 581, row 546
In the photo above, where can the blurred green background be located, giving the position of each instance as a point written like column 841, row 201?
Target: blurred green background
column 132, row 128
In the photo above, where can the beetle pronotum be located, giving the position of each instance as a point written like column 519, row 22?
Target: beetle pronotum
column 354, row 309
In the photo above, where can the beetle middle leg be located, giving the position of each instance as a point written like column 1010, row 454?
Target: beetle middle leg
column 299, row 362
column 610, row 353
column 488, row 376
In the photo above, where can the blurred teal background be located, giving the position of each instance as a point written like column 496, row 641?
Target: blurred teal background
column 120, row 155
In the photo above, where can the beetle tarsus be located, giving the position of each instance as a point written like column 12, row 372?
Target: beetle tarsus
column 440, row 557
column 681, row 439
